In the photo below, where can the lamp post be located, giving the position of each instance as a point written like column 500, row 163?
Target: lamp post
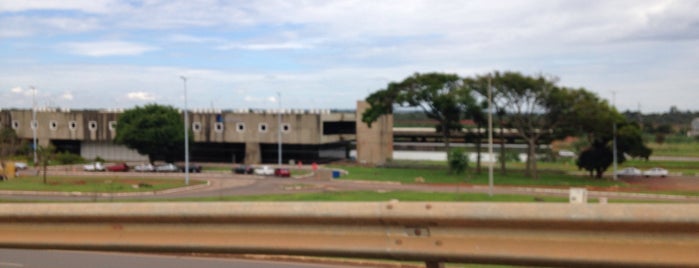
column 34, row 124
column 186, row 134
column 614, row 137
column 490, row 138
column 279, row 132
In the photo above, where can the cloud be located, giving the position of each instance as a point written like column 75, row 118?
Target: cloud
column 266, row 46
column 92, row 6
column 67, row 96
column 17, row 90
column 107, row 48
column 141, row 96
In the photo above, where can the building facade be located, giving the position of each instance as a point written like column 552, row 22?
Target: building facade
column 245, row 136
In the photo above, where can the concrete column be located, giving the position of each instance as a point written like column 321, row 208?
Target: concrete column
column 253, row 155
column 375, row 144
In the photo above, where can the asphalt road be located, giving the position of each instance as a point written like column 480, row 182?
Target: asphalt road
column 227, row 184
column 18, row 258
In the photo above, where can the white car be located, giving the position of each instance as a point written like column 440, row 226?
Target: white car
column 655, row 172
column 264, row 171
column 629, row 171
column 144, row 168
column 20, row 165
column 169, row 167
column 96, row 166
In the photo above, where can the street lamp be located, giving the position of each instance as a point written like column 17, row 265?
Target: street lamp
column 279, row 132
column 490, row 138
column 614, row 137
column 186, row 134
column 34, row 124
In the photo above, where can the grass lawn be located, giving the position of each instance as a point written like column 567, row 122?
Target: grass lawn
column 373, row 196
column 686, row 167
column 98, row 184
column 441, row 175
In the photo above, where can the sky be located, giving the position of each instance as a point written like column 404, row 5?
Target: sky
column 328, row 54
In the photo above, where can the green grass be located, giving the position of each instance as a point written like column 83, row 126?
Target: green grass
column 688, row 149
column 374, row 196
column 91, row 184
column 686, row 167
column 441, row 175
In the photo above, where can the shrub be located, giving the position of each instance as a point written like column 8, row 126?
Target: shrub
column 458, row 161
column 66, row 158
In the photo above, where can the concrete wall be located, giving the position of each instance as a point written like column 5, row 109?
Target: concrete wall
column 375, row 144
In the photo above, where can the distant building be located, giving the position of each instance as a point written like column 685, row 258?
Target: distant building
column 694, row 130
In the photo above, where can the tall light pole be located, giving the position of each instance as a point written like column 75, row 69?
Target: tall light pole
column 34, row 124
column 279, row 132
column 186, row 134
column 490, row 138
column 614, row 136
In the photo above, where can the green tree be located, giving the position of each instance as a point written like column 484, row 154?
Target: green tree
column 45, row 155
column 595, row 119
column 152, row 130
column 536, row 106
column 440, row 96
column 9, row 143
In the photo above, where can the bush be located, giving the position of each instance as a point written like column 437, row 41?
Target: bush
column 458, row 161
column 99, row 159
column 66, row 158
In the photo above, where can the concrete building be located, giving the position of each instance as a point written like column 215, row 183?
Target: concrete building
column 248, row 136
column 694, row 128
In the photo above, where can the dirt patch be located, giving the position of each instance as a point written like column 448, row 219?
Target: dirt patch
column 672, row 183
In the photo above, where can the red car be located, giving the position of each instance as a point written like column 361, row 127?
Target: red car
column 121, row 167
column 282, row 172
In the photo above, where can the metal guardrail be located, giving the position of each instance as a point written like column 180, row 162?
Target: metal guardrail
column 511, row 233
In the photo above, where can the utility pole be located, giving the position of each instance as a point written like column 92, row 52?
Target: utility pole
column 186, row 134
column 34, row 124
column 490, row 138
column 279, row 130
column 614, row 136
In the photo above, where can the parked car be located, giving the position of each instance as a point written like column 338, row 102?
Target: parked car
column 629, row 171
column 243, row 169
column 282, row 172
column 20, row 165
column 121, row 167
column 169, row 167
column 192, row 168
column 264, row 170
column 144, row 168
column 95, row 166
column 655, row 172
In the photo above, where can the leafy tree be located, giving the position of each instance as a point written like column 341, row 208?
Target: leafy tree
column 45, row 155
column 152, row 130
column 9, row 143
column 596, row 159
column 480, row 84
column 595, row 119
column 535, row 106
column 440, row 96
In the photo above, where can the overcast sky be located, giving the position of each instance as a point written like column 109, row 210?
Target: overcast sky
column 329, row 54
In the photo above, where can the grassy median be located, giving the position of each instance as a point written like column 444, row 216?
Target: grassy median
column 94, row 184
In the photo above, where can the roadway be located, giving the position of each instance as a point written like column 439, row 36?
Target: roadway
column 226, row 184
column 20, row 258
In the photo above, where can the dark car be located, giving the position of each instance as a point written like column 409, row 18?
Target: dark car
column 243, row 169
column 121, row 167
column 192, row 168
column 282, row 172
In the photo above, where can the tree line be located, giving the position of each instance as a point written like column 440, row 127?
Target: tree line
column 534, row 105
